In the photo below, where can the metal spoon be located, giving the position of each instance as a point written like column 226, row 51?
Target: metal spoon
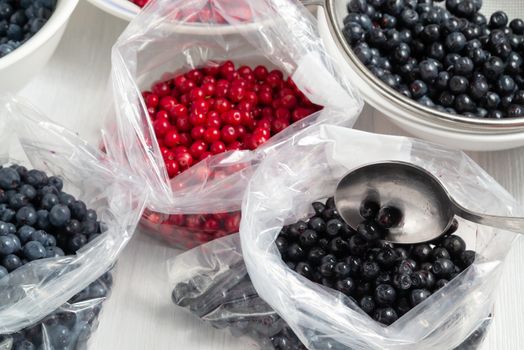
column 427, row 208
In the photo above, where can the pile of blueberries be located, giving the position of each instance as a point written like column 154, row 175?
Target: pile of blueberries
column 38, row 220
column 450, row 58
column 20, row 20
column 229, row 300
column 385, row 280
column 69, row 327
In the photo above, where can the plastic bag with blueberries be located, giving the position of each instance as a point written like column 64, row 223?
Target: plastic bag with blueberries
column 66, row 213
column 211, row 282
column 327, row 312
column 172, row 60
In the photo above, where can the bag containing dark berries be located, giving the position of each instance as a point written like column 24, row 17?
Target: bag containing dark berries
column 203, row 89
column 211, row 282
column 66, row 212
column 340, row 288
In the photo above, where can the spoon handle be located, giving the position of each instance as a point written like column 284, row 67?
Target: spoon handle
column 515, row 224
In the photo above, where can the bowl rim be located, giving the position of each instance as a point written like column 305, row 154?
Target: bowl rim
column 61, row 14
column 124, row 10
column 417, row 112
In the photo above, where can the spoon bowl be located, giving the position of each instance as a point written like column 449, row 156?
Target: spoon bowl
column 427, row 208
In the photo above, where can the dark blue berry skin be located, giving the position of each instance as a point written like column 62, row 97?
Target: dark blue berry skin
column 34, row 250
column 385, row 315
column 367, row 304
column 59, row 215
column 11, row 262
column 49, row 200
column 7, row 245
column 9, row 179
column 418, row 295
column 26, row 216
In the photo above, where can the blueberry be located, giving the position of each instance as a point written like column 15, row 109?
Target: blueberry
column 505, row 85
column 334, row 226
column 3, row 272
column 428, row 70
column 34, row 250
column 318, row 207
column 330, row 213
column 357, row 245
column 342, row 270
column 353, row 32
column 345, row 286
column 464, row 66
column 403, row 306
column 440, row 253
column 466, row 258
column 422, row 252
column 385, row 315
column 28, row 191
column 370, row 231
column 304, row 269
column 7, row 245
column 315, row 255
column 498, row 19
column 42, row 221
column 49, row 200
column 26, row 216
column 418, row 295
column 493, row 68
column 66, row 199
column 402, row 281
column 455, row 42
column 338, row 246
column 280, row 242
column 367, row 304
column 423, row 279
column 327, row 269
column 389, row 217
column 479, row 88
column 39, row 236
column 89, row 227
column 317, row 224
column 370, row 270
column 60, row 215
column 11, row 262
column 329, row 258
column 517, row 26
column 36, row 178
column 418, row 88
column 454, row 245
column 54, row 252
column 409, row 17
column 464, row 103
column 442, row 268
column 387, row 257
column 308, row 238
column 24, row 233
column 294, row 252
column 9, row 179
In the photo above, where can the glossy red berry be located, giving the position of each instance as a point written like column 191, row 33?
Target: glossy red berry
column 217, row 147
column 211, row 135
column 172, row 139
column 198, row 148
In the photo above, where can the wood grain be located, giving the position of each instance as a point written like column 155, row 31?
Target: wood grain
column 139, row 314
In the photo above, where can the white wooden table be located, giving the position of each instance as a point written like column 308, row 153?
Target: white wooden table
column 139, row 314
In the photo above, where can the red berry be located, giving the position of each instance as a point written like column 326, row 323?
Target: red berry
column 277, row 125
column 251, row 96
column 211, row 134
column 222, row 105
column 265, row 97
column 222, row 88
column 205, row 155
column 208, row 79
column 300, row 113
column 274, row 80
column 198, row 148
column 217, row 147
column 260, row 72
column 288, row 101
column 195, row 75
column 234, row 146
column 180, row 82
column 227, row 68
column 201, row 106
column 229, row 134
column 182, row 124
column 167, row 103
column 236, row 92
column 261, row 131
column 161, row 89
column 151, row 100
column 185, row 139
column 172, row 168
column 172, row 139
column 178, row 110
column 196, row 94
column 185, row 160
column 209, row 89
column 211, row 225
column 167, row 154
column 234, row 117
column 180, row 149
column 197, row 132
column 241, row 131
column 211, row 69
column 264, row 124
column 282, row 113
column 161, row 127
column 213, row 120
column 245, row 70
column 198, row 119
column 232, row 223
column 162, row 115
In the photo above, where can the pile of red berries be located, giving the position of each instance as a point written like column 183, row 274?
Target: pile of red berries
column 218, row 108
column 209, row 111
column 238, row 10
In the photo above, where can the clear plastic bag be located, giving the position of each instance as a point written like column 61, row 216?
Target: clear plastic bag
column 308, row 168
column 211, row 282
column 68, row 327
column 40, row 287
column 165, row 38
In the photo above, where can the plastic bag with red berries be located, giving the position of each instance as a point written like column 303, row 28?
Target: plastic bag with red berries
column 50, row 259
column 203, row 90
column 287, row 277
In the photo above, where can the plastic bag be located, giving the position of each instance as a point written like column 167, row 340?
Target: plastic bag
column 308, row 168
column 70, row 326
column 211, row 281
column 165, row 38
column 38, row 288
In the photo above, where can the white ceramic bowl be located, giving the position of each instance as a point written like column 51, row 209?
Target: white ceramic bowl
column 123, row 9
column 18, row 67
column 455, row 131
